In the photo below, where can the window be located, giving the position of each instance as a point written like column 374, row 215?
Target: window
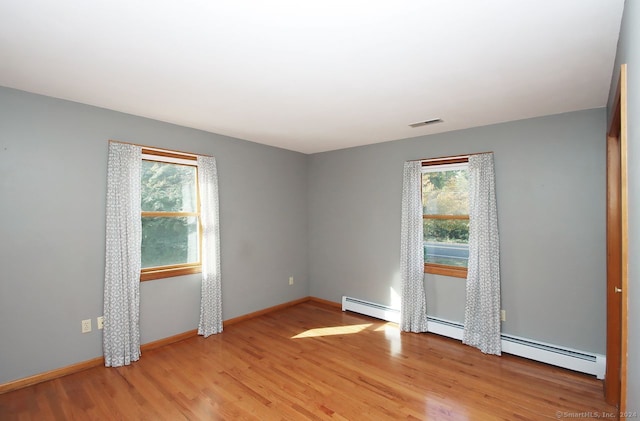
column 445, row 204
column 170, row 212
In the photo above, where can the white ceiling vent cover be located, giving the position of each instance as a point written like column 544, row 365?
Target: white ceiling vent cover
column 426, row 122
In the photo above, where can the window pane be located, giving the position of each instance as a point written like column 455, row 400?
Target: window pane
column 446, row 241
column 445, row 193
column 168, row 187
column 169, row 241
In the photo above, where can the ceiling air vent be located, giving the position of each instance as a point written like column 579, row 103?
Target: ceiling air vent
column 426, row 122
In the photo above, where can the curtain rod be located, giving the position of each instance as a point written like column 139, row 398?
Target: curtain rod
column 448, row 157
column 160, row 149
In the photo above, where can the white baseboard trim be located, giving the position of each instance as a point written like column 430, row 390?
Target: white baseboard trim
column 572, row 359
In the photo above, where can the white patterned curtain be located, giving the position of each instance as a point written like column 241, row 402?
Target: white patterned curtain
column 413, row 312
column 482, row 312
column 121, row 335
column 211, row 300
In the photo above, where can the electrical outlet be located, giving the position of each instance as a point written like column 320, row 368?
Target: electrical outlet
column 503, row 315
column 290, row 280
column 100, row 322
column 86, row 326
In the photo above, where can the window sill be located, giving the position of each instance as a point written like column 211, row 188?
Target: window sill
column 168, row 272
column 456, row 272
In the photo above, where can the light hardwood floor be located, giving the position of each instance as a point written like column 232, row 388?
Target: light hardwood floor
column 314, row 362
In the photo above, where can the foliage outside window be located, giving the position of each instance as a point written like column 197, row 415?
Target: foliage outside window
column 170, row 212
column 445, row 202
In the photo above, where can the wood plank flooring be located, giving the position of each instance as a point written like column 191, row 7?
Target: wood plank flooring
column 313, row 362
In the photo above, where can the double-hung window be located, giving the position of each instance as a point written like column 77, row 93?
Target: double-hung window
column 445, row 204
column 170, row 212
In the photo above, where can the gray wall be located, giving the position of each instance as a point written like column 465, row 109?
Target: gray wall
column 550, row 181
column 53, row 157
column 331, row 220
column 629, row 52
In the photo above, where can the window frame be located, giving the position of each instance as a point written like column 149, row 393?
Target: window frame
column 444, row 164
column 168, row 271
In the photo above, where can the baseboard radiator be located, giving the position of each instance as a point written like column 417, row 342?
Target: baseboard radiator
column 571, row 359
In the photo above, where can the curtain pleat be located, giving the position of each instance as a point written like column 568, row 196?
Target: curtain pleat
column 413, row 313
column 121, row 334
column 211, row 299
column 482, row 311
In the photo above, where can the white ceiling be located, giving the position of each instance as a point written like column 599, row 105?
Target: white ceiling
column 315, row 75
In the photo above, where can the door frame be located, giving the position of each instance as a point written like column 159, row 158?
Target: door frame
column 615, row 386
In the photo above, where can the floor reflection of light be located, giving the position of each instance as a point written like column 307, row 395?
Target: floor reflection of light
column 392, row 334
column 444, row 408
column 335, row 330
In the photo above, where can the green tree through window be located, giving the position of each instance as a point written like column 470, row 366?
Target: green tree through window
column 445, row 199
column 170, row 217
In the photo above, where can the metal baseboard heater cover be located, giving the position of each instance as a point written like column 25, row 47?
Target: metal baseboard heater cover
column 571, row 359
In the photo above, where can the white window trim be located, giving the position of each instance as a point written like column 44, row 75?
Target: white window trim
column 168, row 159
column 445, row 167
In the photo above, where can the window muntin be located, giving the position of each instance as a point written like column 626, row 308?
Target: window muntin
column 445, row 200
column 170, row 212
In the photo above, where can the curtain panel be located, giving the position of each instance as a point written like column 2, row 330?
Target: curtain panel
column 482, row 311
column 413, row 311
column 121, row 334
column 211, row 299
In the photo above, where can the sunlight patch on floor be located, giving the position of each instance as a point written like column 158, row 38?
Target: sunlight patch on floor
column 329, row 331
column 390, row 329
